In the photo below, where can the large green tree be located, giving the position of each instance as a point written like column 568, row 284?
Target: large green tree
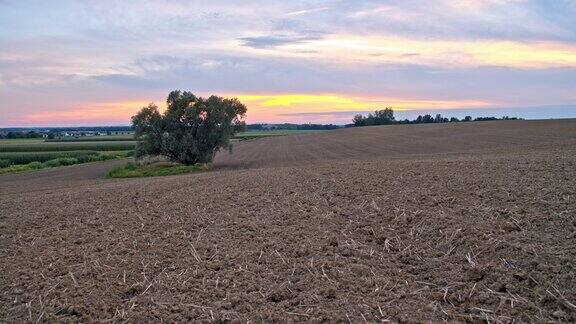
column 191, row 130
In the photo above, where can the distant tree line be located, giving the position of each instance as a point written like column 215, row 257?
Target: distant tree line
column 386, row 117
column 20, row 134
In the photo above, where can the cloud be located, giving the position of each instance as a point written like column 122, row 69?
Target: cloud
column 72, row 56
column 375, row 11
column 306, row 11
column 388, row 49
column 514, row 20
column 271, row 41
column 476, row 5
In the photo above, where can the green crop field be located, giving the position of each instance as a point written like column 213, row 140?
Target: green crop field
column 29, row 161
column 18, row 155
column 106, row 138
column 72, row 146
column 27, row 157
column 128, row 138
column 19, row 141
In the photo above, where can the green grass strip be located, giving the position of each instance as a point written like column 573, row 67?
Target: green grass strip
column 132, row 170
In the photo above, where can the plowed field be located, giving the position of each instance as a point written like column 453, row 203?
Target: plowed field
column 457, row 222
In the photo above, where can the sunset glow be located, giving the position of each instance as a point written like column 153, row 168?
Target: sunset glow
column 264, row 108
column 96, row 63
column 117, row 112
column 293, row 104
column 351, row 49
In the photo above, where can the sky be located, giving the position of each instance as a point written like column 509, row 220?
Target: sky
column 97, row 62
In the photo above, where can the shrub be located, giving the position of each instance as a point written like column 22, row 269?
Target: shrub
column 191, row 130
column 68, row 161
column 85, row 158
column 130, row 166
column 4, row 163
column 52, row 163
column 35, row 165
column 60, row 162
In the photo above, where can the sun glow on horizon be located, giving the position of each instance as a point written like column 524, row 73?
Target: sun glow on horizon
column 336, row 102
column 271, row 108
column 98, row 62
column 110, row 112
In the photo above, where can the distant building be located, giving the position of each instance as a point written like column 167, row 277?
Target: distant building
column 79, row 133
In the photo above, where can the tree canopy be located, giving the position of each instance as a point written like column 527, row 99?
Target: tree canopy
column 191, row 130
column 380, row 117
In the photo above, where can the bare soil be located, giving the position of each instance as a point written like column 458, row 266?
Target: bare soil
column 467, row 222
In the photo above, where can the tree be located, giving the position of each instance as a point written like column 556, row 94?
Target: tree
column 485, row 118
column 384, row 116
column 427, row 119
column 191, row 130
column 359, row 120
column 380, row 117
